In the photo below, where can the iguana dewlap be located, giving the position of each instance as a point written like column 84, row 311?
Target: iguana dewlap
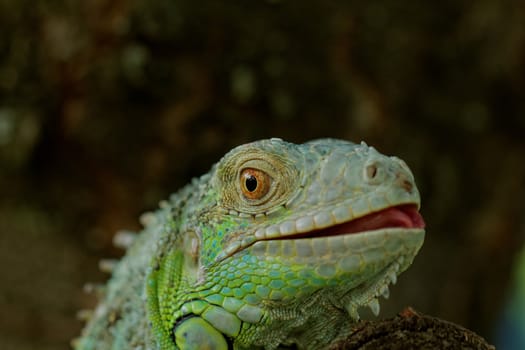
column 278, row 245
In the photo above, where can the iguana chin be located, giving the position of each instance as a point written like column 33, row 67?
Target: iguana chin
column 278, row 245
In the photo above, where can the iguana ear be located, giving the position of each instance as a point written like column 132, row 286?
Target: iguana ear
column 192, row 268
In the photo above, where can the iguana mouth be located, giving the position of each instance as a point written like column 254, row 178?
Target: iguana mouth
column 401, row 216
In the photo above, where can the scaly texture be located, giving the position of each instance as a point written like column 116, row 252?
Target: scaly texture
column 278, row 245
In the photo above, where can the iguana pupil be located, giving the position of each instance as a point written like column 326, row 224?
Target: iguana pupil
column 251, row 183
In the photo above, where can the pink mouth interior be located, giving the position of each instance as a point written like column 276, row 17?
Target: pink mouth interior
column 403, row 216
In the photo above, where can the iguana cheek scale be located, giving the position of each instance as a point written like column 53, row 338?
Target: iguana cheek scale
column 278, row 245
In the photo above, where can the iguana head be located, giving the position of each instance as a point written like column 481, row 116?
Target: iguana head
column 282, row 243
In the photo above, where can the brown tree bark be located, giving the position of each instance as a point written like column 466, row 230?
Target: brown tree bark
column 411, row 330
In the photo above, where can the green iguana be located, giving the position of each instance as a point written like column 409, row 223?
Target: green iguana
column 278, row 245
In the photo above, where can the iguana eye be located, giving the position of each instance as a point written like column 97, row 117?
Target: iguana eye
column 254, row 183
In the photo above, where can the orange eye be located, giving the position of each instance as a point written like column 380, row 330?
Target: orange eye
column 254, row 183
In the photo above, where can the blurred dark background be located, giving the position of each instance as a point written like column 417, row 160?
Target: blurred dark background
column 106, row 107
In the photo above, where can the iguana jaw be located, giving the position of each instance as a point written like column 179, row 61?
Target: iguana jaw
column 362, row 256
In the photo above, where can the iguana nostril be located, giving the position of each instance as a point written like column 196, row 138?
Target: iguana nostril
column 374, row 172
column 371, row 171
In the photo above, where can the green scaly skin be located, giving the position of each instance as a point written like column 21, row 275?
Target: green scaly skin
column 218, row 268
